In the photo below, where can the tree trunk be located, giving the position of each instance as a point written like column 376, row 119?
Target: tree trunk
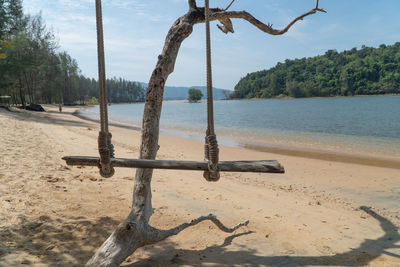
column 29, row 84
column 21, row 92
column 33, row 79
column 135, row 231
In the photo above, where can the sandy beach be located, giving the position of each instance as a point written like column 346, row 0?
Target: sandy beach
column 321, row 212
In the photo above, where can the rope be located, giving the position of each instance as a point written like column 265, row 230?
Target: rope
column 106, row 149
column 211, row 145
column 101, row 67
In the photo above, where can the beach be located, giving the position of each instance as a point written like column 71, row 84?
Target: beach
column 321, row 212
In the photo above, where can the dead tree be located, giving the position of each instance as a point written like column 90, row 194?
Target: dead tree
column 135, row 232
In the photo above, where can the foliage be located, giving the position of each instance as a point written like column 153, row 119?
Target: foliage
column 353, row 72
column 93, row 101
column 4, row 44
column 120, row 90
column 33, row 70
column 194, row 95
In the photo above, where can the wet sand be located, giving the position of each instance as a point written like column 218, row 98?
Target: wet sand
column 357, row 158
column 321, row 212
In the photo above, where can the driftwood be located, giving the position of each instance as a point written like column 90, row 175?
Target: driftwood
column 135, row 231
column 265, row 166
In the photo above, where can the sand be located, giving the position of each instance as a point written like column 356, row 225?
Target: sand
column 319, row 213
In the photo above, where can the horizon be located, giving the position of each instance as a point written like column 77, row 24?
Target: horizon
column 131, row 51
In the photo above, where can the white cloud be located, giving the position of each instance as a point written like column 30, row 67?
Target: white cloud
column 72, row 40
column 134, row 32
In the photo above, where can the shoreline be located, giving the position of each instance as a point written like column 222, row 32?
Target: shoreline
column 317, row 213
column 354, row 158
column 357, row 157
column 310, row 97
column 79, row 115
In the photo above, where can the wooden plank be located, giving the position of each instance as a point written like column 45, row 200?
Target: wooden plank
column 270, row 166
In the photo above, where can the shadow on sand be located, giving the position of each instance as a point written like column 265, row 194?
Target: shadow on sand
column 220, row 256
column 53, row 242
column 44, row 117
column 72, row 242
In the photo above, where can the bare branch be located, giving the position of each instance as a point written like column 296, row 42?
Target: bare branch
column 319, row 9
column 223, row 16
column 229, row 5
column 192, row 4
column 162, row 234
column 227, row 25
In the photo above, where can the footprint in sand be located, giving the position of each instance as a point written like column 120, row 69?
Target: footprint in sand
column 326, row 250
column 219, row 197
column 289, row 248
column 82, row 177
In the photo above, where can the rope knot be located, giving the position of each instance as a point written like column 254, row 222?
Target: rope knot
column 106, row 151
column 212, row 155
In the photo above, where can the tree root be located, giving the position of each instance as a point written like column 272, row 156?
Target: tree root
column 130, row 236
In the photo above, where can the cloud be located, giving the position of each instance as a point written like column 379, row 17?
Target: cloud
column 77, row 41
column 134, row 32
column 124, row 4
column 126, row 44
column 73, row 4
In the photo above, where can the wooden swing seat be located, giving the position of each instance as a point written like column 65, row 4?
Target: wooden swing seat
column 263, row 166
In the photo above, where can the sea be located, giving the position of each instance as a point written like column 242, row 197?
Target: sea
column 368, row 125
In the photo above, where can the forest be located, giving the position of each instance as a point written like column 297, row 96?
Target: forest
column 365, row 71
column 33, row 68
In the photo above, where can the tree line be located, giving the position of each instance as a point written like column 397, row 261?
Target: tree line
column 34, row 70
column 362, row 71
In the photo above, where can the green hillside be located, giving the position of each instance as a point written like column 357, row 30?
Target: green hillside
column 354, row 72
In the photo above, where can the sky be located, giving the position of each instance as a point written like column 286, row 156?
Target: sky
column 135, row 30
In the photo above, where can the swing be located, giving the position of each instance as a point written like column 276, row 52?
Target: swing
column 212, row 167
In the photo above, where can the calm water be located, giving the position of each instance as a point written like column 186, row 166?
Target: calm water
column 349, row 123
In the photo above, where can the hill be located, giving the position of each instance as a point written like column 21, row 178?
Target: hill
column 175, row 93
column 181, row 92
column 353, row 72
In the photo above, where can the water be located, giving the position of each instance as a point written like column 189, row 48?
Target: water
column 368, row 124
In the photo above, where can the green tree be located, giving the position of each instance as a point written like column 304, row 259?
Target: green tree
column 11, row 20
column 364, row 71
column 194, row 95
column 32, row 70
column 4, row 44
column 68, row 80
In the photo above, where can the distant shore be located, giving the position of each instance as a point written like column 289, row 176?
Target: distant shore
column 310, row 97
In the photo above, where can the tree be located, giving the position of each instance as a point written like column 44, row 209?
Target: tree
column 33, row 71
column 135, row 231
column 69, row 78
column 11, row 20
column 365, row 71
column 194, row 95
column 4, row 44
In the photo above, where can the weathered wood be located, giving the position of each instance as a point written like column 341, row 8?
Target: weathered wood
column 266, row 166
column 135, row 231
